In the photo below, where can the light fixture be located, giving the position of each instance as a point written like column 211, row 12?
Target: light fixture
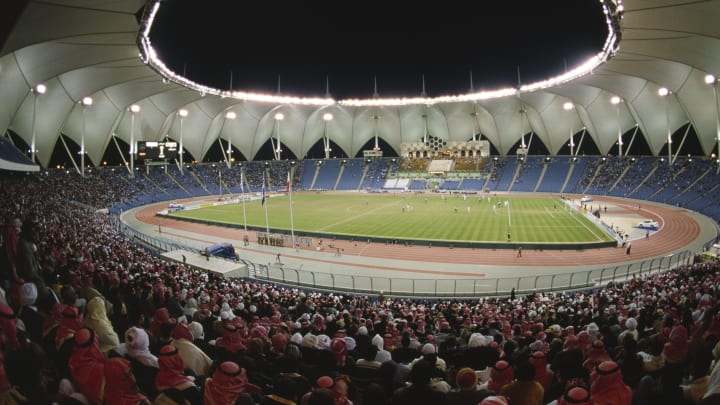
column 279, row 116
column 87, row 101
column 183, row 113
column 615, row 100
column 663, row 91
column 568, row 106
column 231, row 115
column 135, row 108
column 710, row 79
column 327, row 117
column 40, row 88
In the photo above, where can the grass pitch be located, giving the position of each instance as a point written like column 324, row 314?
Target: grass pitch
column 419, row 217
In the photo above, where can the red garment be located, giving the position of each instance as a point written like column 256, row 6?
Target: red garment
column 171, row 369
column 338, row 347
column 87, row 365
column 576, row 396
column 162, row 316
column 231, row 339
column 501, row 374
column 70, row 322
column 227, row 383
column 595, row 355
column 542, row 374
column 181, row 331
column 54, row 319
column 121, row 387
column 8, row 324
column 676, row 349
column 607, row 386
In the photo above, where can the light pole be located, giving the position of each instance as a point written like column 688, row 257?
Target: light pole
column 230, row 115
column 377, row 146
column 38, row 90
column 665, row 93
column 615, row 100
column 278, row 149
column 134, row 109
column 712, row 80
column 326, row 118
column 86, row 102
column 568, row 106
column 182, row 113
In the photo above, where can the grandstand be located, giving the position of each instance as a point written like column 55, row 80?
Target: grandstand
column 96, row 283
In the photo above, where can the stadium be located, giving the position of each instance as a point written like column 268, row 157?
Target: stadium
column 501, row 225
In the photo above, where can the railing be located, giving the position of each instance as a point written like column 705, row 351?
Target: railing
column 440, row 288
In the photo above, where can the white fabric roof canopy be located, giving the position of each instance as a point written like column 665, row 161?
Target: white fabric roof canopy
column 83, row 48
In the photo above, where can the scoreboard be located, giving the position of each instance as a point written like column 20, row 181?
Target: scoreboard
column 151, row 150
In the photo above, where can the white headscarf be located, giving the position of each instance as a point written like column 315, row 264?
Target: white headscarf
column 137, row 343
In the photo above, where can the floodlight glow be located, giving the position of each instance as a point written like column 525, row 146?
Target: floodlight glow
column 135, row 108
column 663, row 91
column 86, row 101
column 568, row 106
column 231, row 115
column 327, row 117
column 279, row 116
column 40, row 89
column 710, row 79
column 615, row 100
column 183, row 113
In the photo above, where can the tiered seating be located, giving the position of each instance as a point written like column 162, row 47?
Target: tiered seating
column 529, row 174
column 555, row 175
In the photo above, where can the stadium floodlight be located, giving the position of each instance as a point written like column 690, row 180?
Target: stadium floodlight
column 663, row 91
column 231, row 115
column 87, row 101
column 278, row 150
column 710, row 79
column 40, row 88
column 568, row 106
column 134, row 108
column 279, row 116
column 327, row 117
column 183, row 113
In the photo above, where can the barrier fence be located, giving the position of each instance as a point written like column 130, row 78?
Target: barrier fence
column 445, row 288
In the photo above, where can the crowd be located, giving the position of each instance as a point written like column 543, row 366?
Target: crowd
column 87, row 317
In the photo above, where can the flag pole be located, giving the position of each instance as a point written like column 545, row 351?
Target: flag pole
column 292, row 226
column 267, row 224
column 242, row 190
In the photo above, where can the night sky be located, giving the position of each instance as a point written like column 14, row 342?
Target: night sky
column 352, row 42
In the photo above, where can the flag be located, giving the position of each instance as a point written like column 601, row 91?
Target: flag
column 262, row 200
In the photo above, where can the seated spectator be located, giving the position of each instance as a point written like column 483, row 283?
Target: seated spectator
column 144, row 364
column 226, row 385
column 524, row 390
column 501, row 374
column 607, row 386
column 467, row 392
column 121, row 387
column 87, row 366
column 171, row 382
column 97, row 320
column 194, row 359
column 420, row 391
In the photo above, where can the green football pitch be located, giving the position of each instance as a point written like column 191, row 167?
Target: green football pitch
column 543, row 220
